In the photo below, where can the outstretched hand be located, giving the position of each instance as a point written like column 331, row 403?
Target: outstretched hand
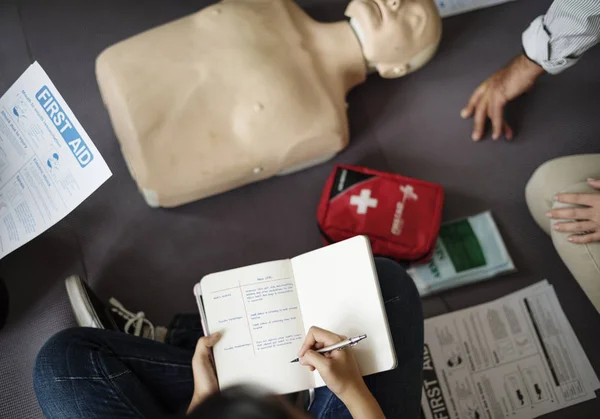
column 583, row 220
column 490, row 98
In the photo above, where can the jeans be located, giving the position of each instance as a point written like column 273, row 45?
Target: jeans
column 95, row 373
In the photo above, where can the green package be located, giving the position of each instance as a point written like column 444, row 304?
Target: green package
column 468, row 250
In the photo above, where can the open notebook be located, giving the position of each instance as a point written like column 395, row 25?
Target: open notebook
column 264, row 311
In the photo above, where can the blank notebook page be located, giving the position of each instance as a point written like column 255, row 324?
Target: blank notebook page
column 338, row 290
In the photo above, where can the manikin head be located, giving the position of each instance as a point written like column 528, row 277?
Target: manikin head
column 397, row 36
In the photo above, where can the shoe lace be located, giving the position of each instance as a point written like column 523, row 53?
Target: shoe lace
column 135, row 320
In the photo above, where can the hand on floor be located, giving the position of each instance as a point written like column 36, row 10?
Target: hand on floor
column 585, row 221
column 492, row 95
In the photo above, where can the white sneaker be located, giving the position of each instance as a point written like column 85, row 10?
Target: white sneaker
column 90, row 311
column 136, row 323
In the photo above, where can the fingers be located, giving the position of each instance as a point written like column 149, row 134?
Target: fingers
column 571, row 214
column 578, row 198
column 496, row 112
column 211, row 340
column 479, row 120
column 594, row 183
column 467, row 111
column 320, row 345
column 489, row 100
column 317, row 335
column 207, row 342
column 576, row 227
column 585, row 238
column 315, row 360
column 508, row 132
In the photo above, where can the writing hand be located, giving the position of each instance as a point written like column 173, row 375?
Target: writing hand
column 490, row 98
column 338, row 369
column 341, row 373
column 203, row 367
column 584, row 220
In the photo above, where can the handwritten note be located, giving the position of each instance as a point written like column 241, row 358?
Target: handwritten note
column 273, row 314
column 278, row 342
column 272, row 289
column 257, row 310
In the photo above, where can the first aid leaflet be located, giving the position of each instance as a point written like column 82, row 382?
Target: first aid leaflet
column 48, row 163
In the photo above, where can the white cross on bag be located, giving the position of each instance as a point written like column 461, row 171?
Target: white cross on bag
column 363, row 201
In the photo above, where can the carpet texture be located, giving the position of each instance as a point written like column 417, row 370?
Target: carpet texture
column 151, row 258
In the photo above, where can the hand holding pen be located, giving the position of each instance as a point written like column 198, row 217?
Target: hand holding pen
column 338, row 369
column 343, row 344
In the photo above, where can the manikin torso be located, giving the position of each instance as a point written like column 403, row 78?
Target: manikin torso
column 235, row 93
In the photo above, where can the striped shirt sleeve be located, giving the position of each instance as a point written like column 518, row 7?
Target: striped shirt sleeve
column 556, row 40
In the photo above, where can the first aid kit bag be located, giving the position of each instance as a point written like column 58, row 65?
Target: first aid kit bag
column 401, row 216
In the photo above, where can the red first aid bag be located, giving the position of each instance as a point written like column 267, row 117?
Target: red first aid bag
column 401, row 216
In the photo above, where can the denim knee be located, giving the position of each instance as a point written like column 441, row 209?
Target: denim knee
column 54, row 360
column 65, row 354
column 51, row 359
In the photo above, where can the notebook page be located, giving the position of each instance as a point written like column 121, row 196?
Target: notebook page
column 338, row 290
column 257, row 312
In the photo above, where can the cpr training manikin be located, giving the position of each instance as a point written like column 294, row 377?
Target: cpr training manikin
column 247, row 89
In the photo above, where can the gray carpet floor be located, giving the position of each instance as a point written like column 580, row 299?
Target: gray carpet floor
column 151, row 258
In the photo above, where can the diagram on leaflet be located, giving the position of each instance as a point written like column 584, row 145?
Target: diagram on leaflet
column 450, row 347
column 467, row 401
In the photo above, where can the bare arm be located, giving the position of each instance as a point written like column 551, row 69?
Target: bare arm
column 341, row 373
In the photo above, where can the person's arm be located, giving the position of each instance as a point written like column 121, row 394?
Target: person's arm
column 556, row 40
column 340, row 371
column 203, row 366
column 551, row 43
column 362, row 405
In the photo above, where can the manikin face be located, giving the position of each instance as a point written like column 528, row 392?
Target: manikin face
column 397, row 36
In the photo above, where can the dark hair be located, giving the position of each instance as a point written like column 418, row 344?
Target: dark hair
column 242, row 402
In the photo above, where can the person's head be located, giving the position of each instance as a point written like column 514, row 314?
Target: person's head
column 242, row 402
column 397, row 36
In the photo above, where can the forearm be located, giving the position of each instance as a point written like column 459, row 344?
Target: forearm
column 362, row 405
column 556, row 40
column 193, row 404
column 528, row 68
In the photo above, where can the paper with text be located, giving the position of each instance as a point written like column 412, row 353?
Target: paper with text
column 257, row 310
column 515, row 357
column 48, row 163
column 265, row 310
